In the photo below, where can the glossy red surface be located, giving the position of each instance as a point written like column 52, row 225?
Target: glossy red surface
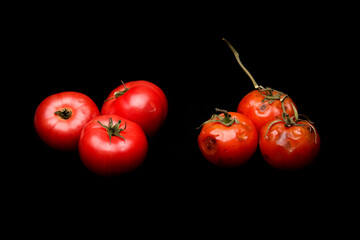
column 63, row 134
column 118, row 156
column 143, row 102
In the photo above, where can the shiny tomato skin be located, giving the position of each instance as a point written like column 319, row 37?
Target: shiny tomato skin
column 228, row 146
column 260, row 112
column 117, row 157
column 63, row 134
column 289, row 148
column 144, row 103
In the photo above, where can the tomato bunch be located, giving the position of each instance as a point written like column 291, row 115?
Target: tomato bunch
column 266, row 117
column 109, row 144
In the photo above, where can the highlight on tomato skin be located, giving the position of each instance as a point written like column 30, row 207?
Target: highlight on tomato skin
column 59, row 119
column 228, row 139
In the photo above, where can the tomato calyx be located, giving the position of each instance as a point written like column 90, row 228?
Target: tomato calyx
column 267, row 92
column 269, row 95
column 224, row 118
column 64, row 113
column 293, row 121
column 119, row 93
column 113, row 130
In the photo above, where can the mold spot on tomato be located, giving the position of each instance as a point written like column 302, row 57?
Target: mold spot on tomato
column 263, row 107
column 210, row 143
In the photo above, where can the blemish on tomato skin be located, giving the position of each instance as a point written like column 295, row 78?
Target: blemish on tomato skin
column 210, row 142
column 242, row 136
column 240, row 139
column 263, row 107
column 287, row 145
column 247, row 127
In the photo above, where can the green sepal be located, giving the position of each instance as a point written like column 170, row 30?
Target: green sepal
column 118, row 93
column 113, row 130
column 292, row 121
column 225, row 120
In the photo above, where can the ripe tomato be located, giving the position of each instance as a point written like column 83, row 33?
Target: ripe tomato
column 110, row 145
column 257, row 106
column 228, row 139
column 140, row 101
column 263, row 104
column 290, row 143
column 60, row 118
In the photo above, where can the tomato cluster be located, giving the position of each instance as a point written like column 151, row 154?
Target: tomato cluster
column 264, row 117
column 110, row 143
column 114, row 140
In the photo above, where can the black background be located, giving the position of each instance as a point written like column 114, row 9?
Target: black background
column 182, row 52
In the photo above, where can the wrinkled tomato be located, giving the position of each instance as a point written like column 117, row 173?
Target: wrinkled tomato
column 228, row 139
column 289, row 144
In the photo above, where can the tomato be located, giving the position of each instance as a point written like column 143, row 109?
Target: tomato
column 140, row 101
column 256, row 106
column 228, row 139
column 289, row 144
column 110, row 145
column 262, row 104
column 60, row 118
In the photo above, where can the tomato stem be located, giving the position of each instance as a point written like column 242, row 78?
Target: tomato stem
column 256, row 86
column 292, row 121
column 227, row 116
column 64, row 113
column 118, row 93
column 113, row 130
column 266, row 92
column 223, row 119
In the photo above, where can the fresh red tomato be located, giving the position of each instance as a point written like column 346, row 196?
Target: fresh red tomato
column 110, row 145
column 60, row 118
column 261, row 110
column 228, row 139
column 263, row 104
column 140, row 101
column 289, row 144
